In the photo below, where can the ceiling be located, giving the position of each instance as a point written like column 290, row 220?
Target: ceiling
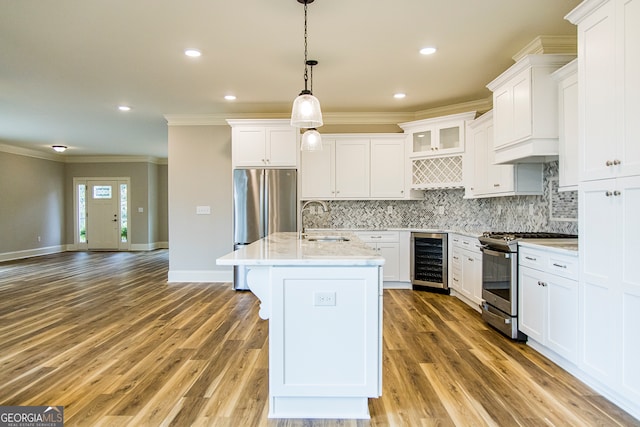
column 66, row 65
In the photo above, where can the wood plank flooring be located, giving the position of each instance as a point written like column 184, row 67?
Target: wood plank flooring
column 106, row 336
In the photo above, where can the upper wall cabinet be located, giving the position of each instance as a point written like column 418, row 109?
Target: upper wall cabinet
column 264, row 144
column 567, row 78
column 525, row 105
column 608, row 70
column 436, row 147
column 355, row 166
column 484, row 178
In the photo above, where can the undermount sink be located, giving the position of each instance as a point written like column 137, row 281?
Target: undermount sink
column 327, row 239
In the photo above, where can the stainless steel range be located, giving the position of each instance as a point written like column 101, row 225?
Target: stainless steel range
column 500, row 278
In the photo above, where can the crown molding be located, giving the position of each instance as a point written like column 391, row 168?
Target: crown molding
column 115, row 159
column 27, row 152
column 549, row 45
column 481, row 106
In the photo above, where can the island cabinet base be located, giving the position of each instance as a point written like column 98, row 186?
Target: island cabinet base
column 325, row 338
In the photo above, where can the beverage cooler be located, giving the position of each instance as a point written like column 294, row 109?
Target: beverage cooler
column 429, row 261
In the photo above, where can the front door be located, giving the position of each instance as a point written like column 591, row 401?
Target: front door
column 103, row 222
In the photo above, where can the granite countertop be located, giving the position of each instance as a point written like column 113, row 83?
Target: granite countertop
column 564, row 246
column 286, row 249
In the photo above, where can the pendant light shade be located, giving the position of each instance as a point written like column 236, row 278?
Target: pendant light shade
column 306, row 111
column 311, row 140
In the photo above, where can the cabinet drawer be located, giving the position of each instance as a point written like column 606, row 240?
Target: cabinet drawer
column 378, row 236
column 470, row 243
column 563, row 265
column 550, row 262
column 532, row 258
column 456, row 258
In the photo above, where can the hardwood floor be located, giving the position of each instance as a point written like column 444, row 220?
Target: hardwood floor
column 106, row 336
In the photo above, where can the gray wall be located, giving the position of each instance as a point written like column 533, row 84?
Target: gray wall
column 199, row 175
column 36, row 199
column 32, row 200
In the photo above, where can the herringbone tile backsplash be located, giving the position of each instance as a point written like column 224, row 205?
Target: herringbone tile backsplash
column 553, row 211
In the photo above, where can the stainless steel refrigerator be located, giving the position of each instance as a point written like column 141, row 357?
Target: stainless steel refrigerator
column 264, row 202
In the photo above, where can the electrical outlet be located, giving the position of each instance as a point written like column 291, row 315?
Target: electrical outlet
column 531, row 208
column 440, row 210
column 203, row 210
column 39, row 239
column 324, row 298
column 389, row 209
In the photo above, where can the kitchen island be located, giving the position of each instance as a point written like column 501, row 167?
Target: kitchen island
column 323, row 298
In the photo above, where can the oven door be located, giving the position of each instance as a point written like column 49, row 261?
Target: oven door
column 500, row 280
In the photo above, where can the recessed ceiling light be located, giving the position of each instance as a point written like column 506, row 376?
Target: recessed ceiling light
column 59, row 148
column 193, row 53
column 428, row 50
column 399, row 95
column 124, row 108
column 230, row 97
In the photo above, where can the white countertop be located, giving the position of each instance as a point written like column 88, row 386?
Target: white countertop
column 564, row 246
column 287, row 249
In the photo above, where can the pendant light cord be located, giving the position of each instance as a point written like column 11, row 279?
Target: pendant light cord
column 305, row 49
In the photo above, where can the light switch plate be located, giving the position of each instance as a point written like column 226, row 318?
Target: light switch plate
column 203, row 210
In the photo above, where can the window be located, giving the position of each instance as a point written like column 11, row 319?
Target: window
column 82, row 210
column 102, row 192
column 123, row 213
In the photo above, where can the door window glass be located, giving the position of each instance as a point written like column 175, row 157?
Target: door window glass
column 123, row 213
column 82, row 217
column 102, row 192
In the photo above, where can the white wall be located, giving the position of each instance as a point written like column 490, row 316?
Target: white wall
column 199, row 175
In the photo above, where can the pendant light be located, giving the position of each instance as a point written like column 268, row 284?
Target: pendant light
column 311, row 140
column 306, row 111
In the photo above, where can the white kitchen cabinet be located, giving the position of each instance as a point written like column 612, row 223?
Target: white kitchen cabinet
column 387, row 168
column 355, row 166
column 567, row 78
column 340, row 170
column 609, row 70
column 484, row 178
column 436, row 147
column 610, row 281
column 387, row 244
column 264, row 144
column 526, row 109
column 609, row 194
column 466, row 269
column 548, row 300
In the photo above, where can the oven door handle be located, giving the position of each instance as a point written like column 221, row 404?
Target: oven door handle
column 488, row 251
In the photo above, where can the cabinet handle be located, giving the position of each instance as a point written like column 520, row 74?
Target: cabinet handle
column 455, row 257
column 465, row 243
column 608, row 193
column 559, row 265
column 609, row 163
column 616, row 162
column 376, row 237
column 616, row 193
column 530, row 258
column 470, row 259
column 496, row 185
column 455, row 279
column 541, row 283
column 401, row 191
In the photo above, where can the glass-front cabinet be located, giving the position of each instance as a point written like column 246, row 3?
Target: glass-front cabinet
column 438, row 136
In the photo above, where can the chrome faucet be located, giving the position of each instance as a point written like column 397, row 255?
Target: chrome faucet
column 325, row 208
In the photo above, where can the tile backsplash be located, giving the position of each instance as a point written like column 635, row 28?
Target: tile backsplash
column 448, row 210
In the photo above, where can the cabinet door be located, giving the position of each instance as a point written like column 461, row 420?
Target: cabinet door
column 282, row 147
column 531, row 303
column 450, row 139
column 352, row 168
column 629, row 152
column 562, row 316
column 476, row 279
column 478, row 149
column 596, row 69
column 599, row 260
column 249, row 147
column 317, row 172
column 468, row 273
column 387, row 168
column 522, row 116
column 629, row 307
column 391, row 254
column 568, row 132
column 502, row 116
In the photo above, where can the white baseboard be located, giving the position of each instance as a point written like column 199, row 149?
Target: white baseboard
column 148, row 246
column 396, row 285
column 28, row 253
column 200, row 276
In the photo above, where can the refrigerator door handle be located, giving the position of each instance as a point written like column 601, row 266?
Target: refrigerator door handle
column 264, row 203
